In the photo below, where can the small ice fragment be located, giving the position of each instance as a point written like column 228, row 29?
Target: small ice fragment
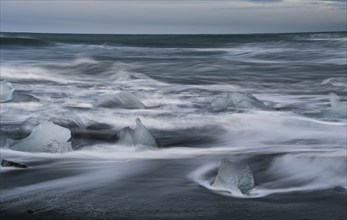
column 8, row 163
column 234, row 177
column 6, row 91
column 338, row 82
column 246, row 101
column 139, row 136
column 4, row 142
column 45, row 137
column 238, row 100
column 338, row 108
column 124, row 100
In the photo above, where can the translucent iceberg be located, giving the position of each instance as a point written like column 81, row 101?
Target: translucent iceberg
column 138, row 137
column 121, row 100
column 45, row 137
column 338, row 108
column 234, row 177
column 238, row 100
column 6, row 91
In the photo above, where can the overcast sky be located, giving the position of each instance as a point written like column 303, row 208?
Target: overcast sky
column 173, row 16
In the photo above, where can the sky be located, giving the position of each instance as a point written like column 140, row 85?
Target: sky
column 173, row 16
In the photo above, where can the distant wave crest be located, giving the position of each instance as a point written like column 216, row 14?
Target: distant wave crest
column 22, row 41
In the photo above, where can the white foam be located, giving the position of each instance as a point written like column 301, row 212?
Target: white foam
column 30, row 73
column 295, row 173
column 121, row 100
column 288, row 173
column 315, row 170
column 84, row 60
column 265, row 130
column 335, row 81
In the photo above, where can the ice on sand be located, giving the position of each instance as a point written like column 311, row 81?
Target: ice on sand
column 237, row 178
column 6, row 91
column 45, row 137
column 138, row 137
column 121, row 100
column 238, row 100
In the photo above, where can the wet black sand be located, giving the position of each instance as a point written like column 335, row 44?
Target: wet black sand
column 160, row 190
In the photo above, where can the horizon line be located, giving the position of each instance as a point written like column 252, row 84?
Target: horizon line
column 77, row 33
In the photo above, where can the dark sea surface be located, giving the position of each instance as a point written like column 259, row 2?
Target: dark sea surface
column 294, row 144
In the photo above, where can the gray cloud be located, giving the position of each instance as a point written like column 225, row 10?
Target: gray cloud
column 264, row 1
column 167, row 17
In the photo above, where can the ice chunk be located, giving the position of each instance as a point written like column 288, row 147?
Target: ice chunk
column 45, row 137
column 6, row 91
column 238, row 100
column 3, row 142
column 125, row 136
column 121, row 100
column 234, row 177
column 138, row 137
column 338, row 108
column 335, row 81
column 8, row 163
column 142, row 136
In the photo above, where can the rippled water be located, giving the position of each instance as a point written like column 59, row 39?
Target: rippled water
column 296, row 144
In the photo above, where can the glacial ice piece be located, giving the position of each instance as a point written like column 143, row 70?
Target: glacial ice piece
column 45, row 137
column 121, row 100
column 338, row 108
column 234, row 177
column 139, row 136
column 3, row 142
column 238, row 100
column 6, row 91
column 8, row 163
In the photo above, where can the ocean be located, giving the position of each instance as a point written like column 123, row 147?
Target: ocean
column 138, row 126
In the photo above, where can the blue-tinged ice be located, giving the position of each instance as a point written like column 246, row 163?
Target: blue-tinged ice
column 237, row 178
column 338, row 108
column 138, row 137
column 237, row 101
column 45, row 137
column 6, row 91
column 4, row 143
column 124, row 100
